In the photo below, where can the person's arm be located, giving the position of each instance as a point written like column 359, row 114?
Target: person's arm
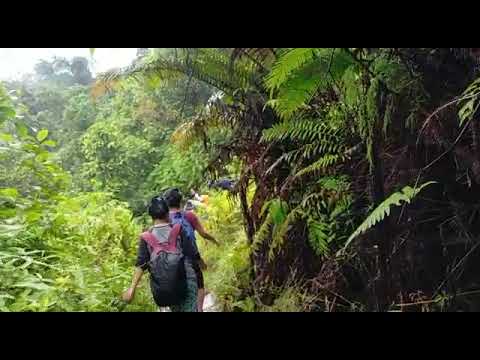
column 199, row 228
column 206, row 235
column 141, row 265
column 130, row 293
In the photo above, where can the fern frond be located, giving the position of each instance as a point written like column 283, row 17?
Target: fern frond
column 302, row 130
column 319, row 237
column 263, row 232
column 320, row 165
column 184, row 135
column 470, row 103
column 191, row 131
column 290, row 62
column 278, row 210
column 301, row 73
column 281, row 230
column 211, row 66
column 260, row 56
column 407, row 194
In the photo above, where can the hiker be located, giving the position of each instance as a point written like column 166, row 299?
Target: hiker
column 191, row 223
column 175, row 285
column 197, row 200
column 223, row 184
column 189, row 206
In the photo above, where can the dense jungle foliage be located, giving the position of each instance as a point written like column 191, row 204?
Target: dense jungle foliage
column 358, row 177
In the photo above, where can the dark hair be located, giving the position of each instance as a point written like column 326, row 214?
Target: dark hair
column 158, row 208
column 173, row 197
column 189, row 206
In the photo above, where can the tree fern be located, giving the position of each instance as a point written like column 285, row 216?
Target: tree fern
column 407, row 194
column 325, row 143
column 320, row 165
column 303, row 130
column 185, row 134
column 208, row 65
column 300, row 73
column 312, row 150
column 290, row 61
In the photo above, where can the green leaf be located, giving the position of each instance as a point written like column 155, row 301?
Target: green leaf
column 9, row 193
column 10, row 230
column 50, row 143
column 33, row 285
column 6, row 137
column 22, row 129
column 277, row 210
column 6, row 112
column 383, row 210
column 42, row 135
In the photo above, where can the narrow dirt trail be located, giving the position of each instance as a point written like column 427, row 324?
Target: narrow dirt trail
column 210, row 304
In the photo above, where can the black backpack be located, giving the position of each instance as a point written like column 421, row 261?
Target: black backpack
column 167, row 268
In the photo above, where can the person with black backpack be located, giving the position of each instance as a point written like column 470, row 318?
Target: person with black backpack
column 169, row 254
column 190, row 223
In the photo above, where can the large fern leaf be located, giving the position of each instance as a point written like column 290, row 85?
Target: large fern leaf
column 209, row 65
column 263, row 232
column 320, row 165
column 319, row 237
column 407, row 194
column 470, row 102
column 300, row 73
column 302, row 130
column 280, row 231
column 290, row 62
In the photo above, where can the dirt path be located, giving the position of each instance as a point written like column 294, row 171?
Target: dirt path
column 209, row 304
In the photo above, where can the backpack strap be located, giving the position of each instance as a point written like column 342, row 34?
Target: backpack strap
column 151, row 240
column 170, row 246
column 172, row 237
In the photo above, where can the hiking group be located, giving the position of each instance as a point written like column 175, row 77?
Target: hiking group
column 168, row 250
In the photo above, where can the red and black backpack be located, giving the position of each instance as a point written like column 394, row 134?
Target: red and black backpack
column 167, row 268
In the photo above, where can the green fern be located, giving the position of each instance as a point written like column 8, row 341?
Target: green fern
column 407, row 194
column 470, row 102
column 276, row 213
column 320, row 165
column 278, row 210
column 280, row 231
column 320, row 236
column 263, row 233
column 312, row 150
column 300, row 73
column 325, row 143
column 209, row 65
column 303, row 130
column 288, row 63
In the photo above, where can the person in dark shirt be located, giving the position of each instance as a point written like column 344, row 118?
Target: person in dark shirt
column 223, row 184
column 174, row 200
column 159, row 211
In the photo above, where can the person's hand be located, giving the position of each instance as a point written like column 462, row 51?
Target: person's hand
column 128, row 295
